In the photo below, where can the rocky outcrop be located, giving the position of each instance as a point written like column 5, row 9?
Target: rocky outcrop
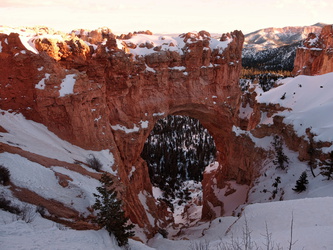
column 108, row 95
column 315, row 57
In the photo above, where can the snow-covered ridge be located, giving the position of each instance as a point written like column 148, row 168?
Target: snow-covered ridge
column 143, row 44
column 139, row 44
column 28, row 35
column 269, row 38
column 309, row 103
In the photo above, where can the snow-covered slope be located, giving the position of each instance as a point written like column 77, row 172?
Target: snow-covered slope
column 310, row 220
column 309, row 101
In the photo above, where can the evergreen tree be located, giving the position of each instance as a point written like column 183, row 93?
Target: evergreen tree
column 327, row 170
column 301, row 182
column 177, row 149
column 281, row 160
column 276, row 185
column 109, row 212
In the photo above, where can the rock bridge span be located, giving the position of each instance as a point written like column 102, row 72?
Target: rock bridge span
column 107, row 93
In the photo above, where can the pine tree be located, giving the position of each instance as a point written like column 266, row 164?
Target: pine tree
column 327, row 170
column 109, row 211
column 281, row 160
column 301, row 183
column 276, row 185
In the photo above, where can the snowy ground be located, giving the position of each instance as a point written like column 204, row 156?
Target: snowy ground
column 309, row 213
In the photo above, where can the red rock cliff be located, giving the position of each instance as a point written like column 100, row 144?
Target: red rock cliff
column 316, row 56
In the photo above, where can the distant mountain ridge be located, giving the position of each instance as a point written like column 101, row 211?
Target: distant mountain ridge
column 276, row 37
column 275, row 48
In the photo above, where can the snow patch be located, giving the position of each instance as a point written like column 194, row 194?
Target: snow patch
column 211, row 167
column 245, row 113
column 158, row 114
column 41, row 84
column 67, row 85
column 132, row 172
column 143, row 125
column 143, row 199
column 28, row 44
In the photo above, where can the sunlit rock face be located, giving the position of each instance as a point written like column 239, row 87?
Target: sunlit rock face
column 315, row 57
column 108, row 93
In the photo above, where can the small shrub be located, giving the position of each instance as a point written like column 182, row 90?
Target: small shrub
column 28, row 213
column 94, row 163
column 4, row 175
column 276, row 185
column 41, row 210
column 163, row 232
column 6, row 206
column 61, row 227
column 327, row 169
column 283, row 96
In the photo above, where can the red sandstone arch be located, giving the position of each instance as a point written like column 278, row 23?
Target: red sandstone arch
column 117, row 101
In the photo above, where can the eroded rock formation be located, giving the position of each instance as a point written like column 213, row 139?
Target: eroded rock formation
column 316, row 55
column 106, row 95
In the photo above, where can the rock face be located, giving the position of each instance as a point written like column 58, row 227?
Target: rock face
column 316, row 55
column 108, row 94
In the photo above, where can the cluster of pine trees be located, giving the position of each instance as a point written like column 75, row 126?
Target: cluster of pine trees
column 178, row 149
column 281, row 58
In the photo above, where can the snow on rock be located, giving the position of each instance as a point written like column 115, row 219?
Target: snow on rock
column 125, row 129
column 143, row 199
column 67, row 85
column 155, row 40
column 211, row 167
column 158, row 114
column 41, row 84
column 260, row 142
column 245, row 112
column 36, row 138
column 232, row 196
column 42, row 181
column 29, row 35
column 220, row 45
column 142, row 44
column 28, row 43
column 309, row 102
column 142, row 124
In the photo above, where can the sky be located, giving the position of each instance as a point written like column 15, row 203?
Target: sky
column 169, row 16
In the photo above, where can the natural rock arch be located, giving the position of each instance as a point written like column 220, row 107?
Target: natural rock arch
column 117, row 98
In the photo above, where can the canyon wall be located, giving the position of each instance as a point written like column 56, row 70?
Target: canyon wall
column 315, row 57
column 100, row 92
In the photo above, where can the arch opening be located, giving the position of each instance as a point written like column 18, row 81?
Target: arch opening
column 177, row 151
